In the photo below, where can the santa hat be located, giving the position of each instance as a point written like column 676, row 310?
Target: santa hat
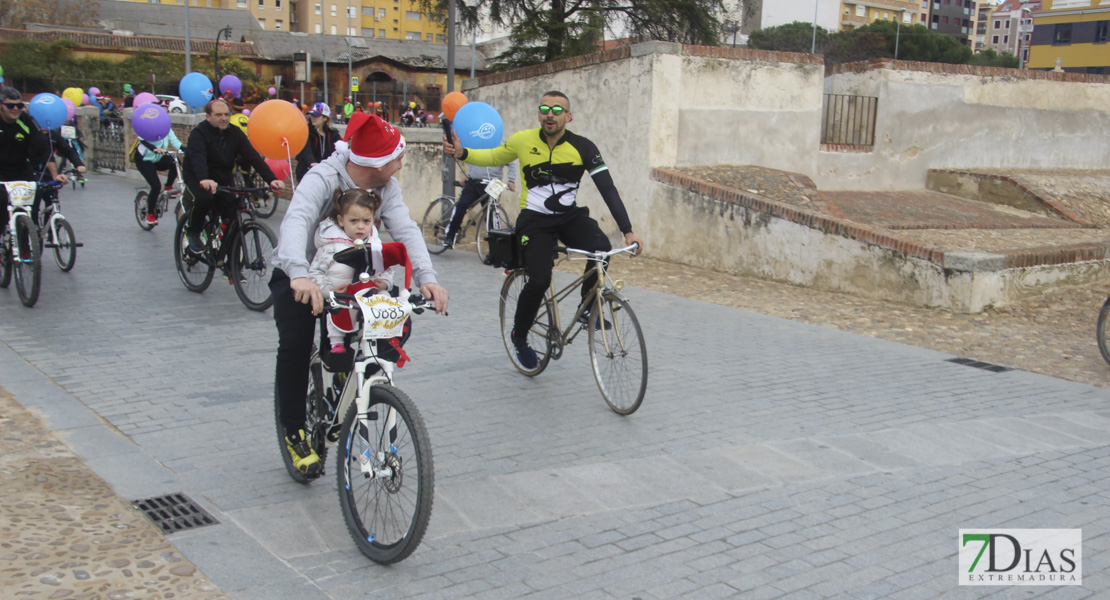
column 372, row 141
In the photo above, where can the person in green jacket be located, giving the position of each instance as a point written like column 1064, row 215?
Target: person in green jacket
column 348, row 109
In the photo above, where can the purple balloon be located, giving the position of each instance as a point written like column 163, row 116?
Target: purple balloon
column 246, row 112
column 230, row 83
column 144, row 98
column 150, row 122
column 272, row 90
column 70, row 108
column 94, row 92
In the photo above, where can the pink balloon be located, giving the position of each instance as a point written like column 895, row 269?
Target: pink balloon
column 144, row 98
column 273, row 92
column 246, row 112
column 70, row 108
column 279, row 167
column 85, row 100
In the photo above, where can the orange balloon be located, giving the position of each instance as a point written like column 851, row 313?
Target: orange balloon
column 277, row 129
column 377, row 105
column 452, row 102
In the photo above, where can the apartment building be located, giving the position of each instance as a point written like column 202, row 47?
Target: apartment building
column 856, row 13
column 378, row 19
column 1073, row 35
column 957, row 18
column 986, row 10
column 1011, row 27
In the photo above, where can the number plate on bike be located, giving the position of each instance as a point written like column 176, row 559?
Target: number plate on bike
column 384, row 316
column 494, row 188
column 69, row 132
column 20, row 193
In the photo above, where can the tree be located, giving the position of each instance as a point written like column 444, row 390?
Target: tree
column 543, row 31
column 14, row 14
column 874, row 40
column 990, row 58
column 792, row 37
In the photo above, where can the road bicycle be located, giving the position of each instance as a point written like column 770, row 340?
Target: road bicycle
column 618, row 353
column 264, row 203
column 55, row 232
column 1101, row 332
column 491, row 216
column 241, row 246
column 19, row 250
column 384, row 468
column 172, row 194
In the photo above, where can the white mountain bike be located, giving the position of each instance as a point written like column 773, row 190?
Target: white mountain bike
column 384, row 459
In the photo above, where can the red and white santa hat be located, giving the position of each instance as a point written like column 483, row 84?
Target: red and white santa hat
column 372, row 142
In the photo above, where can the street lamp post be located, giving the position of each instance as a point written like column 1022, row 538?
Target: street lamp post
column 226, row 33
column 813, row 45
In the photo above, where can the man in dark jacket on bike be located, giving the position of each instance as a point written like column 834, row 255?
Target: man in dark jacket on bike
column 23, row 147
column 210, row 157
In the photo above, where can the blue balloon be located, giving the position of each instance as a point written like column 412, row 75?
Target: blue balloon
column 195, row 89
column 478, row 125
column 48, row 110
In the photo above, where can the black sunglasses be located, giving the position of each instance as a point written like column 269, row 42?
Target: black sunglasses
column 555, row 110
column 14, row 105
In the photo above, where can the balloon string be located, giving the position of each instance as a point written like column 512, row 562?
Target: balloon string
column 289, row 160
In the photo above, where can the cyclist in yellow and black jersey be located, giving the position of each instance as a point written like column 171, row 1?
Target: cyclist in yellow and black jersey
column 552, row 162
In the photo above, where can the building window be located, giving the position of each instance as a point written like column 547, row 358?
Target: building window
column 994, row 40
column 1102, row 31
column 1062, row 35
column 1005, row 39
column 412, row 35
column 333, row 10
column 381, row 33
column 367, row 11
column 367, row 32
column 261, row 4
column 428, row 37
column 277, row 25
column 319, row 28
column 381, row 13
column 412, row 15
column 441, row 38
column 262, row 23
column 886, row 16
column 944, row 20
column 238, row 3
column 861, row 11
column 318, row 11
column 277, row 5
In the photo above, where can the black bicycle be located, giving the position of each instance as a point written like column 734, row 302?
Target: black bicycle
column 241, row 247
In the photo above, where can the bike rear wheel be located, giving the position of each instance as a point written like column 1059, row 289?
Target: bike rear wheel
column 28, row 269
column 250, row 265
column 265, row 205
column 500, row 220
column 386, row 512
column 1102, row 331
column 542, row 334
column 618, row 354
column 315, row 422
column 195, row 271
column 141, row 200
column 65, row 244
column 435, row 222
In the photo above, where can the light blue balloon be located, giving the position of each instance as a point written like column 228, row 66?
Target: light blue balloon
column 195, row 89
column 48, row 110
column 478, row 125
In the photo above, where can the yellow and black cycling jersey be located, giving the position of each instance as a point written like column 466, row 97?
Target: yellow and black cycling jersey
column 240, row 120
column 551, row 176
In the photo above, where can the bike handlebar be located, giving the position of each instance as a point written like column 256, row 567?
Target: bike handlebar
column 597, row 255
column 338, row 301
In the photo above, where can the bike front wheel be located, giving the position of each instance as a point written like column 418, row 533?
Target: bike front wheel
column 1102, row 332
column 141, row 200
column 65, row 244
column 385, row 475
column 28, row 268
column 250, row 265
column 435, row 222
column 618, row 354
column 265, row 205
column 195, row 271
column 7, row 255
column 497, row 218
column 543, row 332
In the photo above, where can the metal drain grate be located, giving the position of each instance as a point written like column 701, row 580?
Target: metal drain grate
column 979, row 365
column 174, row 512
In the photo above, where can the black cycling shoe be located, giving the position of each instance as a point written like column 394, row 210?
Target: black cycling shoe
column 585, row 320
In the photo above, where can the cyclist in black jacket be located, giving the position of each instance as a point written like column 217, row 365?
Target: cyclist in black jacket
column 210, row 158
column 23, row 147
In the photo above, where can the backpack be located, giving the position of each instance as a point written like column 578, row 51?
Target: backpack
column 133, row 153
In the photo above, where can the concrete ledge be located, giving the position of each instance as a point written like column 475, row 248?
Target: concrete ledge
column 974, row 261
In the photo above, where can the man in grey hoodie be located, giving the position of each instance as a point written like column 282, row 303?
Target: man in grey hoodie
column 369, row 155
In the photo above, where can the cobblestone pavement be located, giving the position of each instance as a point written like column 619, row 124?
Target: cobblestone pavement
column 771, row 459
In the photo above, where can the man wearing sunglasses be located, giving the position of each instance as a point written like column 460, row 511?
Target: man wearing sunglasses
column 552, row 162
column 23, row 147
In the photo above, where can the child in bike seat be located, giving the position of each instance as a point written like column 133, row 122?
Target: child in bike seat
column 354, row 219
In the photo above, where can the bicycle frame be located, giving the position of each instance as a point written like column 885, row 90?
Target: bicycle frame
column 19, row 206
column 593, row 296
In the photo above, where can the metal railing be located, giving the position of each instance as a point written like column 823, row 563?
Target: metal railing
column 849, row 120
column 109, row 144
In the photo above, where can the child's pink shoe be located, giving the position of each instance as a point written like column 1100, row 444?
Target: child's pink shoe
column 338, row 349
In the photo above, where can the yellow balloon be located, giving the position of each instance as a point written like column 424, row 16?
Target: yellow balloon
column 412, row 105
column 74, row 95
